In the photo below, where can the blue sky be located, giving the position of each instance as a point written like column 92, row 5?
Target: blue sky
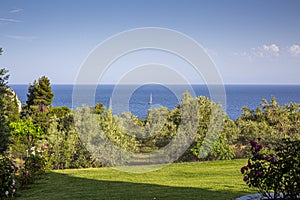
column 251, row 42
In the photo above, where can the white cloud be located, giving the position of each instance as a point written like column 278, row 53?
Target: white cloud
column 8, row 20
column 294, row 50
column 266, row 50
column 271, row 48
column 16, row 10
column 20, row 37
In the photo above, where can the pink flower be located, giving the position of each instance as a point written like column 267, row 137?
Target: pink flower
column 44, row 146
column 29, row 175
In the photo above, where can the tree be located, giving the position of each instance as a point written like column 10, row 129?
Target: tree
column 31, row 94
column 40, row 94
column 8, row 109
column 25, row 134
column 3, row 119
column 4, row 76
column 268, row 124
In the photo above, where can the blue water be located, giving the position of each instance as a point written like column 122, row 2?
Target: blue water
column 237, row 96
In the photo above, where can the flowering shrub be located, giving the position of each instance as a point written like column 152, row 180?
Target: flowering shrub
column 35, row 164
column 277, row 173
column 8, row 170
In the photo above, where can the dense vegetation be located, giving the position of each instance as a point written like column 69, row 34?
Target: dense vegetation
column 275, row 174
column 40, row 123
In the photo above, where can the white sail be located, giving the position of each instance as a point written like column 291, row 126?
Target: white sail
column 150, row 99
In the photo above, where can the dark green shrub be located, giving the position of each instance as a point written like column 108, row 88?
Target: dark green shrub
column 8, row 171
column 278, row 173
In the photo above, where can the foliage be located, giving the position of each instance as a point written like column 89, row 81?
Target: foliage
column 210, row 142
column 35, row 164
column 99, row 109
column 62, row 145
column 26, row 132
column 8, row 183
column 269, row 123
column 4, row 129
column 278, row 173
column 168, row 130
column 102, row 135
column 40, row 94
column 4, row 76
column 114, row 131
column 66, row 148
column 54, row 127
column 60, row 112
column 8, row 110
column 222, row 150
column 162, row 125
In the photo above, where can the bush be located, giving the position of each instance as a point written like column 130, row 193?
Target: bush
column 8, row 170
column 35, row 164
column 278, row 172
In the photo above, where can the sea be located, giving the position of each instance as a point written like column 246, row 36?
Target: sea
column 139, row 99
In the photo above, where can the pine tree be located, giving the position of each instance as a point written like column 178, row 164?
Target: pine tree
column 40, row 94
column 4, row 137
column 8, row 109
column 3, row 121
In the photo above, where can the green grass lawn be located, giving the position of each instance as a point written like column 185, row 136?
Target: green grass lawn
column 203, row 180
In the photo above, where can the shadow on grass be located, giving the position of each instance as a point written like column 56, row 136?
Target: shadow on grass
column 55, row 186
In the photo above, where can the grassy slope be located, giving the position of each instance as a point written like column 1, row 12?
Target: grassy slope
column 205, row 180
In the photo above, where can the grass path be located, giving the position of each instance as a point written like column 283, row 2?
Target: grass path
column 204, row 180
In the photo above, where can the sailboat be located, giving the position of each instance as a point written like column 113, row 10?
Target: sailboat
column 150, row 99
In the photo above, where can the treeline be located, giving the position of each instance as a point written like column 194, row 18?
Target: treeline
column 214, row 135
